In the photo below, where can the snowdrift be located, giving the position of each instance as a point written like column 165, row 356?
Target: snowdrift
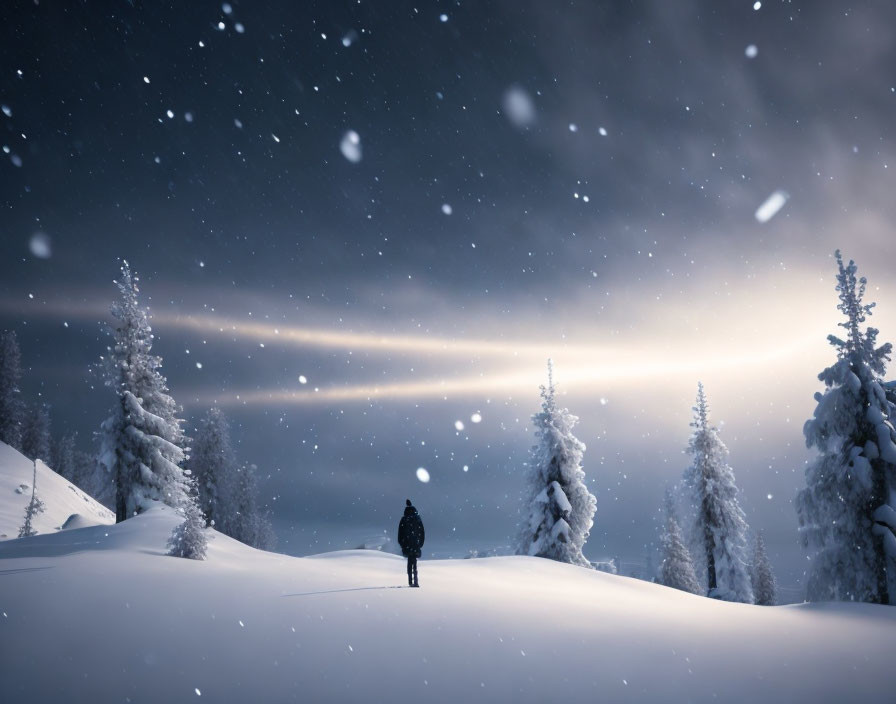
column 61, row 498
column 101, row 614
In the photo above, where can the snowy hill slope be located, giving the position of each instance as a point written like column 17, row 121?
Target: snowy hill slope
column 100, row 614
column 61, row 498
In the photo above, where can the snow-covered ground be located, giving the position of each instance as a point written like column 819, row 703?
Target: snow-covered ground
column 61, row 498
column 101, row 614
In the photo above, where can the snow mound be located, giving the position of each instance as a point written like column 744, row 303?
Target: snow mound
column 61, row 497
column 76, row 520
column 344, row 627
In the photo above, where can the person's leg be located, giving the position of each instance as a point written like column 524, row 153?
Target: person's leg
column 416, row 583
column 411, row 560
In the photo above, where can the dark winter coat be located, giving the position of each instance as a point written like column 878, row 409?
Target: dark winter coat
column 410, row 533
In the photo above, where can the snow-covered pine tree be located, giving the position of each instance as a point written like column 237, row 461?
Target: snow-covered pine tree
column 677, row 570
column 243, row 505
column 765, row 587
column 720, row 527
column 246, row 522
column 11, row 407
column 189, row 539
column 75, row 465
column 847, row 511
column 64, row 457
column 214, row 469
column 36, row 433
column 87, row 473
column 34, row 507
column 558, row 509
column 265, row 537
column 143, row 444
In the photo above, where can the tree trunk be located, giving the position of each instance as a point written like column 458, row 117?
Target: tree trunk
column 121, row 499
column 710, row 563
column 708, row 542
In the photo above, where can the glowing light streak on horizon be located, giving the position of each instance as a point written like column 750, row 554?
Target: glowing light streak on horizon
column 310, row 337
column 316, row 337
column 526, row 381
column 584, row 367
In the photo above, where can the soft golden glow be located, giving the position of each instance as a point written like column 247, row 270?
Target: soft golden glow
column 702, row 334
column 613, row 371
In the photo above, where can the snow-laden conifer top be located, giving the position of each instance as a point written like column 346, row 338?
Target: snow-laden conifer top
column 558, row 509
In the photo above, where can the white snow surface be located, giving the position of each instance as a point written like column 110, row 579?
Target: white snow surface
column 61, row 498
column 101, row 614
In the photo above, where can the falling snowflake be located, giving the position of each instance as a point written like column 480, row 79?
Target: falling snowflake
column 519, row 107
column 40, row 246
column 447, row 209
column 476, row 418
column 771, row 206
column 422, row 475
column 459, row 425
column 350, row 146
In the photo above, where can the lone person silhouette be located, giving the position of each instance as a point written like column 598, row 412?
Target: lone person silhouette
column 410, row 537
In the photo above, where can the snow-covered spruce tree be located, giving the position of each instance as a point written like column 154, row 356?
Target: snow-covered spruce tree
column 558, row 509
column 87, row 473
column 63, row 462
column 214, row 469
column 36, row 433
column 246, row 522
column 11, row 407
column 243, row 505
column 34, row 507
column 265, row 538
column 142, row 444
column 847, row 511
column 72, row 463
column 677, row 570
column 765, row 587
column 720, row 527
column 189, row 539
